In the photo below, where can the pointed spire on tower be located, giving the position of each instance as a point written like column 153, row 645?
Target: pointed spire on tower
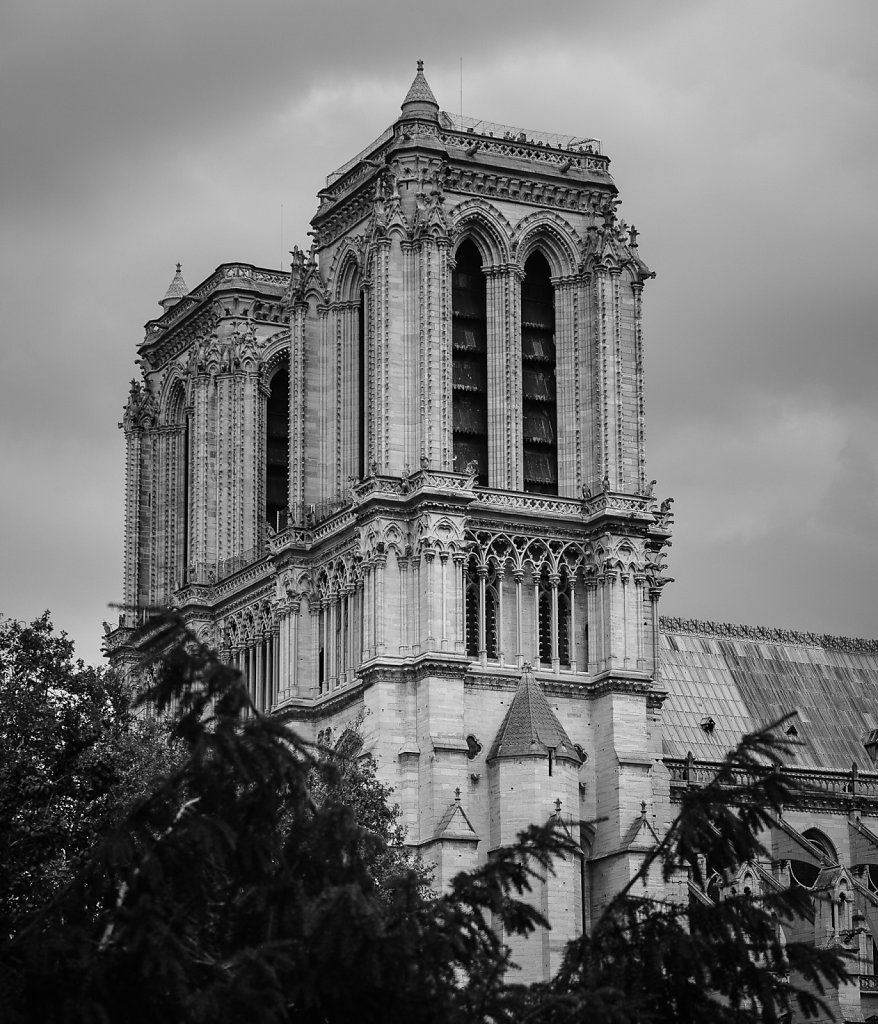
column 420, row 101
column 176, row 290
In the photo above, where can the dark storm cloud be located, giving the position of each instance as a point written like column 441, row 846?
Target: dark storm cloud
column 742, row 138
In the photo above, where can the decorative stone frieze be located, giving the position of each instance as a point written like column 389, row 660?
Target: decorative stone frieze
column 766, row 635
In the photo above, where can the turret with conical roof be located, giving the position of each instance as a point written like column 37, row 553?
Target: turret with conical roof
column 533, row 776
column 176, row 290
column 420, row 101
column 531, row 727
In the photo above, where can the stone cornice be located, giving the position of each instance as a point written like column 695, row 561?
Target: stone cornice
column 523, row 189
column 431, row 663
column 507, row 679
column 621, row 681
column 226, row 275
column 766, row 635
column 313, row 709
column 570, row 684
column 405, row 496
column 195, row 314
column 230, row 603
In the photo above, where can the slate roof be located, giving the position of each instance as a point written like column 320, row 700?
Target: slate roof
column 176, row 289
column 420, row 92
column 742, row 681
column 531, row 727
column 455, row 824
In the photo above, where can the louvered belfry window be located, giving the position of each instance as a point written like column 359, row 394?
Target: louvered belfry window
column 362, row 463
column 481, row 618
column 469, row 368
column 277, row 436
column 539, row 408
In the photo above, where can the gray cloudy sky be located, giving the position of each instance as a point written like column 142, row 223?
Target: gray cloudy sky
column 743, row 139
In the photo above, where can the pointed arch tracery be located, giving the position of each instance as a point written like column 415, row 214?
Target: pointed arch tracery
column 526, row 599
column 346, row 275
column 550, row 235
column 488, row 229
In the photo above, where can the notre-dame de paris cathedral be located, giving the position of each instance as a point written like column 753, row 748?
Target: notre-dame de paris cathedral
column 403, row 488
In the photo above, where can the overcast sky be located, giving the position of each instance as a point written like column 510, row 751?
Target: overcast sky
column 743, row 139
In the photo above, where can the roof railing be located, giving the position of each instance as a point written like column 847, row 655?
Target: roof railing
column 495, row 130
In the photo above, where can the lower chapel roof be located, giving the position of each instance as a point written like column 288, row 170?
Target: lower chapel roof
column 724, row 681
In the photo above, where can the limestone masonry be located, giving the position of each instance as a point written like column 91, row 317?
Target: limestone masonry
column 403, row 488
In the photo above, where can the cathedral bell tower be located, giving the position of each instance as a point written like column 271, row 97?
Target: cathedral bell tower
column 385, row 483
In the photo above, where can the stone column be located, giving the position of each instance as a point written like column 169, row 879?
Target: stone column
column 434, row 351
column 460, row 605
column 259, row 674
column 639, row 585
column 368, row 631
column 554, row 579
column 380, row 567
column 379, row 354
column 297, row 454
column 566, row 364
column 501, row 638
column 481, row 574
column 402, row 608
column 131, row 587
column 535, row 648
column 429, row 559
column 518, row 576
column 505, row 446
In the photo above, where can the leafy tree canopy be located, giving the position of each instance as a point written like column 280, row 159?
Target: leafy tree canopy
column 72, row 757
column 255, row 880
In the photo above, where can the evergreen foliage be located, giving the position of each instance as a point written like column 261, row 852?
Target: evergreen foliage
column 258, row 880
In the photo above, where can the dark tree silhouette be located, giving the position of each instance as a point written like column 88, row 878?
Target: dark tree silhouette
column 259, row 880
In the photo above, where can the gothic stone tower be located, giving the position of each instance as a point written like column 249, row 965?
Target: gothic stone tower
column 403, row 489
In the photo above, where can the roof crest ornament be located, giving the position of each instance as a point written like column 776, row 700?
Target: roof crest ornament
column 766, row 634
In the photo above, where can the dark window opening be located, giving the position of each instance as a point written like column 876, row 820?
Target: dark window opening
column 361, row 383
column 564, row 624
column 277, row 440
column 472, row 612
column 545, row 619
column 490, row 623
column 469, row 364
column 184, row 524
column 539, row 406
column 545, row 623
column 472, row 617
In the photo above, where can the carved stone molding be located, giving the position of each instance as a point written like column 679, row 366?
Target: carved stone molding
column 766, row 634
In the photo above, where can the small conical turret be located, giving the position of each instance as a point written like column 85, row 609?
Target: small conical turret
column 420, row 101
column 531, row 728
column 176, row 290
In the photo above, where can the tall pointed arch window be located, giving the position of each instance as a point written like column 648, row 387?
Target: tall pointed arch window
column 538, row 407
column 277, row 439
column 469, row 367
column 360, row 413
column 186, row 496
column 181, row 417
